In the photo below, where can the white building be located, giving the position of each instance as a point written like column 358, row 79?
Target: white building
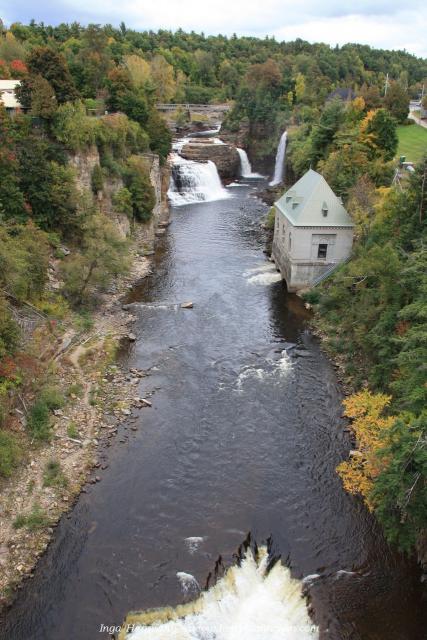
column 7, row 95
column 312, row 232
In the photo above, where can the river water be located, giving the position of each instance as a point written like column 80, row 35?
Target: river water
column 242, row 436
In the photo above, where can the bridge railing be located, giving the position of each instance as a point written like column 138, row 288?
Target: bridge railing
column 220, row 108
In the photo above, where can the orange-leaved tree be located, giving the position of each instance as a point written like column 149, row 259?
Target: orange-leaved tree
column 366, row 410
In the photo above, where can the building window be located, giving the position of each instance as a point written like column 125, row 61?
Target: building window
column 322, row 251
column 290, row 241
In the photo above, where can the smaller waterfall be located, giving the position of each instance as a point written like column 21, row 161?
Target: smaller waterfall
column 280, row 160
column 194, row 182
column 245, row 165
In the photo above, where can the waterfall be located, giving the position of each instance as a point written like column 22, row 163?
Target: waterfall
column 249, row 602
column 194, row 182
column 245, row 165
column 280, row 160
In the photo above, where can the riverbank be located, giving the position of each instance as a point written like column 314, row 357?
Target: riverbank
column 100, row 396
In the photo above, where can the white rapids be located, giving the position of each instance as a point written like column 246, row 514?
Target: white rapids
column 265, row 274
column 280, row 160
column 193, row 182
column 247, row 603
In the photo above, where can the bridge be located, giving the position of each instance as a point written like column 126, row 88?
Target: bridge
column 194, row 108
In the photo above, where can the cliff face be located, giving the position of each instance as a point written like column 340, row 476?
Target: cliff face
column 258, row 140
column 225, row 156
column 159, row 177
column 84, row 164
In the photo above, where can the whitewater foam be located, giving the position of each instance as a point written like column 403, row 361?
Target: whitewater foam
column 193, row 182
column 248, row 603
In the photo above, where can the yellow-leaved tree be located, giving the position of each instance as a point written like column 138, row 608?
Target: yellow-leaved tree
column 370, row 425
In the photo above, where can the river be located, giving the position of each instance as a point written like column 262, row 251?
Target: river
column 243, row 435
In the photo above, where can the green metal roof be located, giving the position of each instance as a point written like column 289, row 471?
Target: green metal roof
column 306, row 203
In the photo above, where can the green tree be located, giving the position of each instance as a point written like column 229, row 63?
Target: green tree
column 102, row 256
column 379, row 134
column 43, row 100
column 400, row 491
column 122, row 202
column 160, row 135
column 139, row 186
column 97, row 179
column 52, row 66
column 397, row 101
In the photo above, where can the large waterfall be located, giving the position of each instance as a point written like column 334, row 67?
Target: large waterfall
column 194, row 182
column 249, row 602
column 245, row 165
column 280, row 160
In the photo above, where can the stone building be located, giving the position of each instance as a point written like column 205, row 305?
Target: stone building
column 312, row 232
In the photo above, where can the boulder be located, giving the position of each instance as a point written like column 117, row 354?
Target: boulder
column 225, row 156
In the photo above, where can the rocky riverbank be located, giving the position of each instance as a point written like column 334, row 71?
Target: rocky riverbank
column 100, row 398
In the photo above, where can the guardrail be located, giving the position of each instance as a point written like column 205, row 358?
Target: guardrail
column 218, row 108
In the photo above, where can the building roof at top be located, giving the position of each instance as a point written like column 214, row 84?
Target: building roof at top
column 310, row 202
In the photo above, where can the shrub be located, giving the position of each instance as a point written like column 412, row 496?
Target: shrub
column 97, row 179
column 74, row 128
column 72, row 431
column 53, row 475
column 39, row 421
column 9, row 330
column 52, row 397
column 36, row 519
column 122, row 201
column 10, row 453
column 312, row 296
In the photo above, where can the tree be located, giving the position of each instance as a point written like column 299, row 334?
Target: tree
column 299, row 87
column 94, row 59
column 378, row 132
column 11, row 48
column 139, row 69
column 397, row 101
column 12, row 204
column 43, row 100
column 399, row 495
column 162, row 75
column 97, row 179
column 359, row 472
column 4, row 70
column 122, row 202
column 102, row 256
column 139, row 186
column 53, row 67
column 160, row 135
column 18, row 69
column 119, row 84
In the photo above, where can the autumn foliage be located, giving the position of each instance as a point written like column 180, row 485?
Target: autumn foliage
column 366, row 410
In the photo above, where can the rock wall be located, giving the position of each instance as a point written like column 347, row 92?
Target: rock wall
column 159, row 177
column 84, row 164
column 225, row 156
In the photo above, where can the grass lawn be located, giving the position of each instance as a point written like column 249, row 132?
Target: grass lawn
column 412, row 142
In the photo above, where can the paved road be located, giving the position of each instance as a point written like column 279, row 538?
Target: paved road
column 422, row 123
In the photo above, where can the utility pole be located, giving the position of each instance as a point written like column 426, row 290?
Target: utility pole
column 386, row 85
